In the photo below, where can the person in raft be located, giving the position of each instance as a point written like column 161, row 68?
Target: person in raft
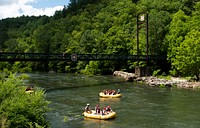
column 111, row 92
column 97, row 109
column 104, row 111
column 87, row 108
column 105, row 92
column 118, row 91
column 108, row 109
column 29, row 88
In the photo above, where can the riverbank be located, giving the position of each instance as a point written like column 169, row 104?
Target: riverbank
column 157, row 82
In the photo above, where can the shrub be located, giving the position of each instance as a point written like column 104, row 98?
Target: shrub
column 18, row 108
column 156, row 72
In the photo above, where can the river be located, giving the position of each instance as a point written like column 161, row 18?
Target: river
column 140, row 106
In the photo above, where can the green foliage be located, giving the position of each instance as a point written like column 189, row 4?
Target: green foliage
column 164, row 76
column 20, row 67
column 184, row 43
column 156, row 72
column 5, row 65
column 173, row 72
column 91, row 68
column 162, row 85
column 178, row 28
column 23, row 76
column 21, row 109
column 188, row 55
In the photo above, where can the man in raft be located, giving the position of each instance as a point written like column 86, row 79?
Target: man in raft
column 97, row 109
column 87, row 108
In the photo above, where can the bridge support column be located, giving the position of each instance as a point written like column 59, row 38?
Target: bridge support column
column 142, row 71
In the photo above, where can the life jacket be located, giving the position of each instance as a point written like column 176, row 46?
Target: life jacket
column 108, row 109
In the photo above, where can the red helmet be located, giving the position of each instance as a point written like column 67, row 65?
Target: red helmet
column 108, row 106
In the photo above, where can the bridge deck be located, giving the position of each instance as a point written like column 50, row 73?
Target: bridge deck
column 5, row 56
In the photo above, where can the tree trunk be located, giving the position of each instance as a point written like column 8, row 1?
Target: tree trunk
column 197, row 76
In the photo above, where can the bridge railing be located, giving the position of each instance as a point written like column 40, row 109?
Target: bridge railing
column 6, row 56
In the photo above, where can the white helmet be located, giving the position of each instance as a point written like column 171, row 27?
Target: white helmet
column 88, row 104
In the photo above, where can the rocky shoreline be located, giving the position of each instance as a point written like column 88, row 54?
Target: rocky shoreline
column 157, row 82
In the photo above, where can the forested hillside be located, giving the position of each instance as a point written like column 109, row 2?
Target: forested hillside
column 107, row 27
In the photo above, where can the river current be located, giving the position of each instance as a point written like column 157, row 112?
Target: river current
column 140, row 106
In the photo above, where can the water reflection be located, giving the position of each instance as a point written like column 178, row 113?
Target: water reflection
column 108, row 100
column 95, row 123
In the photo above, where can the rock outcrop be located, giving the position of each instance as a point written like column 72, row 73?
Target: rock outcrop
column 154, row 81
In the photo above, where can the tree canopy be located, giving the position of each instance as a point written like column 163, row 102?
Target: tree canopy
column 184, row 43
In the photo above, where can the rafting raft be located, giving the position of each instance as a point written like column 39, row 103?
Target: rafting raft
column 93, row 115
column 101, row 94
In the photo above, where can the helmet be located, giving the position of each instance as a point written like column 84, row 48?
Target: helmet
column 88, row 104
column 108, row 106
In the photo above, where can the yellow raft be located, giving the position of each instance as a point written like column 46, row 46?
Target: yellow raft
column 101, row 94
column 93, row 115
column 30, row 91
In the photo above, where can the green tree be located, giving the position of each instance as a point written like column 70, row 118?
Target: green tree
column 184, row 43
column 187, row 58
column 177, row 31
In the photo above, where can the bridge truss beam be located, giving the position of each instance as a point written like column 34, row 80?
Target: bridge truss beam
column 73, row 57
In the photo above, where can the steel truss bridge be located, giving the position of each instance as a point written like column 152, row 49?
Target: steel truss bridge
column 7, row 56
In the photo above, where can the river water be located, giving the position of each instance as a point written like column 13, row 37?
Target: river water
column 140, row 106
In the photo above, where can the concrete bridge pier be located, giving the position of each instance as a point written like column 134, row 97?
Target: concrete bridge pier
column 142, row 71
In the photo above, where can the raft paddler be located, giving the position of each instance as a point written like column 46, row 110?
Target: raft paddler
column 87, row 108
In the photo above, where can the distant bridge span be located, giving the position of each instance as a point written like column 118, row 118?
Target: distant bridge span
column 8, row 56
